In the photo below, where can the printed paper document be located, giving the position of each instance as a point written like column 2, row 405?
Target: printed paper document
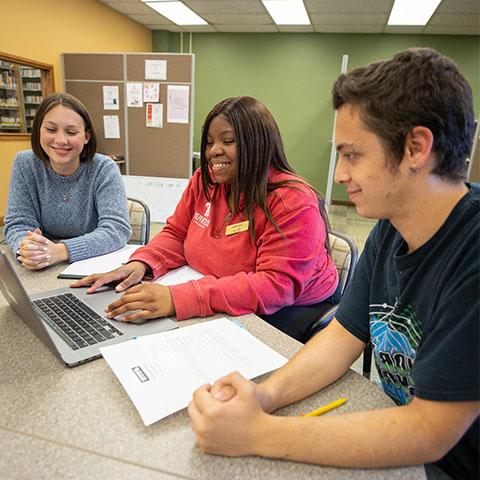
column 160, row 372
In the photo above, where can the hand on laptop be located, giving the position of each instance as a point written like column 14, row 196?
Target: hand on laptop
column 36, row 251
column 128, row 275
column 149, row 300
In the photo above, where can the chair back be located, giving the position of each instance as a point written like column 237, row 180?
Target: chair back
column 139, row 214
column 345, row 256
column 344, row 253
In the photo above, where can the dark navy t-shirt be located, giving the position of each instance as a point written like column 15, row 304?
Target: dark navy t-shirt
column 421, row 312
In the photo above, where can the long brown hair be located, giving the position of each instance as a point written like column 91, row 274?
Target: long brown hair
column 259, row 147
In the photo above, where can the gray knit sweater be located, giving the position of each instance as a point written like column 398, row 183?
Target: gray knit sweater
column 87, row 210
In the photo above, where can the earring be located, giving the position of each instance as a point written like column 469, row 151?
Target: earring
column 414, row 169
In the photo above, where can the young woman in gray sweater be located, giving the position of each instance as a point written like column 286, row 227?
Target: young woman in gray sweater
column 65, row 201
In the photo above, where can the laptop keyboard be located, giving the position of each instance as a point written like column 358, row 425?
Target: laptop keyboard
column 75, row 321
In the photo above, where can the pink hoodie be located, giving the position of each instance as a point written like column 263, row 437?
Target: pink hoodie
column 276, row 270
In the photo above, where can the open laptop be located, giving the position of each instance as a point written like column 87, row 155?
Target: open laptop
column 70, row 322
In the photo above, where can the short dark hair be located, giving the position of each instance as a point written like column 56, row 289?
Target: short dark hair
column 68, row 101
column 417, row 87
column 259, row 147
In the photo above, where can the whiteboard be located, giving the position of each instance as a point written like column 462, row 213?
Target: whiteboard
column 161, row 194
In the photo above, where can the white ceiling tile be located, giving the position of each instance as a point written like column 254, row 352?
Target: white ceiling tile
column 459, row 6
column 130, row 7
column 351, row 19
column 453, row 17
column 247, row 28
column 348, row 6
column 119, row 1
column 154, row 19
column 232, row 6
column 348, row 28
column 452, row 30
column 404, row 29
column 238, row 19
column 453, row 20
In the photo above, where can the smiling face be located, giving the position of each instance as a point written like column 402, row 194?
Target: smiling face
column 362, row 168
column 62, row 137
column 221, row 150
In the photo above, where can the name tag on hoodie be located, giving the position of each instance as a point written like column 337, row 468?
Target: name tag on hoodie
column 237, row 228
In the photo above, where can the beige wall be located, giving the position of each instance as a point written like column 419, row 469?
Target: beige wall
column 43, row 29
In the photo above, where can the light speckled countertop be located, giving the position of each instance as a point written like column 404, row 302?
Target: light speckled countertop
column 77, row 423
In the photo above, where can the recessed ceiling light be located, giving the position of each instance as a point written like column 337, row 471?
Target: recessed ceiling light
column 287, row 12
column 412, row 12
column 177, row 12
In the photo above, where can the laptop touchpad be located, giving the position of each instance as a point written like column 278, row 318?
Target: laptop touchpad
column 119, row 318
column 102, row 298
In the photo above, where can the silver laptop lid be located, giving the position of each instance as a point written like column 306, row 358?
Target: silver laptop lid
column 17, row 297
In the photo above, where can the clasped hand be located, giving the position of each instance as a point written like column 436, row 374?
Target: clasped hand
column 229, row 418
column 36, row 251
column 149, row 300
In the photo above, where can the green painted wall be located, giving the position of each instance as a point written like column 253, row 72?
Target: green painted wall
column 293, row 75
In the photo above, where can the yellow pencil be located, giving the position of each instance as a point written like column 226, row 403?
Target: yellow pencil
column 326, row 408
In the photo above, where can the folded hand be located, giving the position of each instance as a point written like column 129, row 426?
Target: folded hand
column 36, row 251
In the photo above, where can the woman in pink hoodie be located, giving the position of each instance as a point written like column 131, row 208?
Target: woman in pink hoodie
column 254, row 228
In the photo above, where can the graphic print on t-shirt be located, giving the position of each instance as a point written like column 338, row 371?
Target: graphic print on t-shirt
column 395, row 336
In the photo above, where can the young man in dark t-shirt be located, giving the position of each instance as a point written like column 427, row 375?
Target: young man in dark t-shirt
column 403, row 131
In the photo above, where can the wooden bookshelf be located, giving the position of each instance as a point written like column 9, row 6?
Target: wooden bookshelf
column 24, row 83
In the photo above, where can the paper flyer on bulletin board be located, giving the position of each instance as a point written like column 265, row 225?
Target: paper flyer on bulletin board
column 154, row 115
column 134, row 94
column 111, row 126
column 110, row 97
column 178, row 98
column 151, row 92
column 155, row 69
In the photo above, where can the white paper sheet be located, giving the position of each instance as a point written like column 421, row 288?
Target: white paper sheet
column 154, row 115
column 155, row 69
column 110, row 261
column 151, row 91
column 179, row 275
column 111, row 126
column 178, row 103
column 160, row 372
column 102, row 263
column 134, row 94
column 110, row 97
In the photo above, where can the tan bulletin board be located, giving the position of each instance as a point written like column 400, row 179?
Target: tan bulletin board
column 147, row 151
